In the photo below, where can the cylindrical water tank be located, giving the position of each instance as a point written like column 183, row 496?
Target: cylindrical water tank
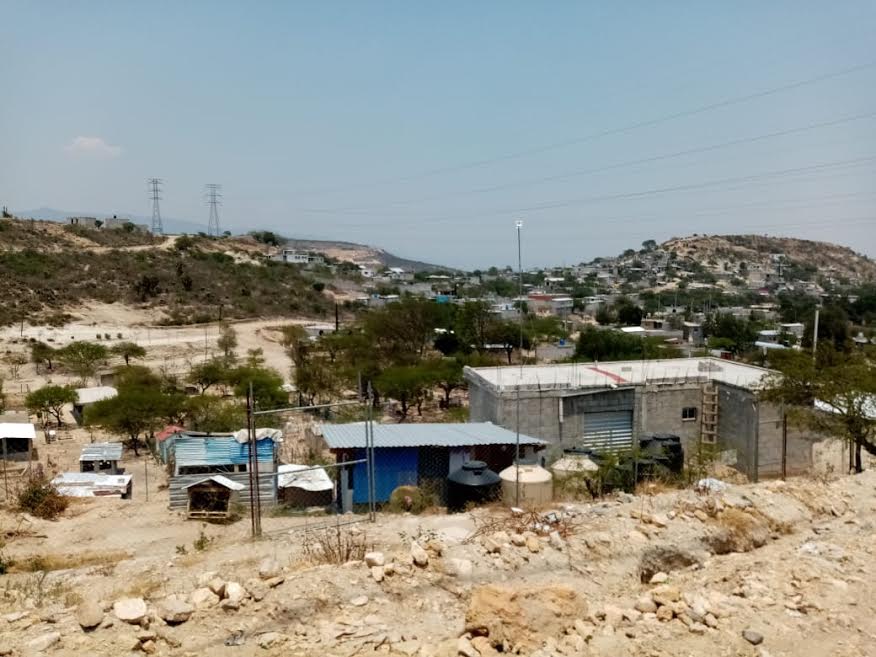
column 473, row 483
column 535, row 483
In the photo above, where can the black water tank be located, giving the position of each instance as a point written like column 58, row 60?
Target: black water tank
column 473, row 483
column 665, row 449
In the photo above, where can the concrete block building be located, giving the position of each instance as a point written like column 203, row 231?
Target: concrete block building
column 705, row 401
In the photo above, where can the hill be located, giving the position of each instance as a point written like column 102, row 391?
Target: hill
column 821, row 258
column 361, row 254
column 50, row 269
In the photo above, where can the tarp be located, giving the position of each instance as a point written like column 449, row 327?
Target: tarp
column 17, row 430
column 91, row 484
column 242, row 436
column 305, row 477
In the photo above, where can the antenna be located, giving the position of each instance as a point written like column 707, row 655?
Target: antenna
column 155, row 194
column 214, row 200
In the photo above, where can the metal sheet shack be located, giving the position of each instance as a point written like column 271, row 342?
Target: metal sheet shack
column 101, row 457
column 418, row 455
column 16, row 439
column 190, row 456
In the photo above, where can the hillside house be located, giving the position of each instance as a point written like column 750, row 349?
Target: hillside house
column 85, row 397
column 295, row 257
column 101, row 457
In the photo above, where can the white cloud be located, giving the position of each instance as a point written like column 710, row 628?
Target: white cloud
column 93, row 147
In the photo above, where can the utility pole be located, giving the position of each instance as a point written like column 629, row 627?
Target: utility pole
column 155, row 194
column 214, row 200
column 519, row 225
column 815, row 335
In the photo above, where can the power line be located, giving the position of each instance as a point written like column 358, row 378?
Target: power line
column 610, row 167
column 155, row 194
column 755, row 178
column 728, row 102
column 214, row 200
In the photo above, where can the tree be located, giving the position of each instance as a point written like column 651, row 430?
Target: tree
column 208, row 374
column 738, row 334
column 49, row 401
column 629, row 314
column 834, row 395
column 147, row 286
column 508, row 335
column 447, row 375
column 82, row 358
column 604, row 315
column 40, row 353
column 133, row 412
column 227, row 341
column 266, row 384
column 128, row 350
column 833, row 328
column 606, row 344
column 214, row 414
column 406, row 384
column 649, row 245
column 15, row 361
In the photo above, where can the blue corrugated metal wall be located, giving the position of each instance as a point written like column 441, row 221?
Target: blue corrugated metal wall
column 392, row 467
column 218, row 451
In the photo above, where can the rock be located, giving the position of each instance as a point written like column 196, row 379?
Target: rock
column 204, row 579
column 15, row 616
column 710, row 621
column 696, row 628
column 149, row 647
column 646, row 605
column 378, row 573
column 436, row 547
column 461, row 568
column 483, row 647
column 174, row 610
column 203, row 598
column 753, row 637
column 522, row 618
column 359, row 601
column 44, row 641
column 518, row 539
column 613, row 615
column 665, row 559
column 491, row 545
column 665, row 594
column 274, row 582
column 556, row 541
column 665, row 613
column 632, row 615
column 533, row 544
column 658, row 519
column 701, row 515
column 89, row 615
column 464, row 648
column 269, row 568
column 234, row 592
column 229, row 604
column 738, row 531
column 130, row 610
column 659, row 578
column 271, row 640
column 217, row 586
column 257, row 589
column 584, row 630
column 419, row 555
column 373, row 559
column 5, row 649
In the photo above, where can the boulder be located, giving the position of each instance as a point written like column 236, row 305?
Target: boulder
column 130, row 610
column 556, row 541
column 665, row 594
column 89, row 615
column 373, row 559
column 754, row 637
column 257, row 589
column 664, row 559
column 491, row 545
column 269, row 568
column 419, row 555
column 461, row 568
column 518, row 539
column 533, row 544
column 522, row 618
column 646, row 605
column 234, row 592
column 203, row 598
column 270, row 640
column 359, row 601
column 174, row 610
column 659, row 578
column 44, row 641
column 217, row 586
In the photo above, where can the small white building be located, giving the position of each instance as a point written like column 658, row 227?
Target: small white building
column 295, row 257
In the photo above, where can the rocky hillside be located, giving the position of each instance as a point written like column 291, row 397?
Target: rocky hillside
column 361, row 254
column 823, row 257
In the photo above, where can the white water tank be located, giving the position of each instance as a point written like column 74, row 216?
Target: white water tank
column 536, row 485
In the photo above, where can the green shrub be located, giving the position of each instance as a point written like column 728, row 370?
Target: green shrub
column 41, row 499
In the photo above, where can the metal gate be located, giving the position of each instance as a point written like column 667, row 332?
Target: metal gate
column 608, row 431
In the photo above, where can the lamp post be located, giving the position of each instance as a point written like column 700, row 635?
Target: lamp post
column 519, row 225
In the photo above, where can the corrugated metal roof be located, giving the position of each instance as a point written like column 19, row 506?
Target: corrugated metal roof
column 306, row 477
column 17, row 430
column 219, row 479
column 101, row 452
column 352, row 436
column 96, row 394
column 91, row 484
column 218, row 450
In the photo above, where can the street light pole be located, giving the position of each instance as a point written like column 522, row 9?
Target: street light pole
column 519, row 225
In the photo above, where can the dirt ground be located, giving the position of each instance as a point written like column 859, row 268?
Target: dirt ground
column 789, row 561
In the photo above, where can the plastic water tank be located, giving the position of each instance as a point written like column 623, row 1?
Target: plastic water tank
column 536, row 485
column 473, row 483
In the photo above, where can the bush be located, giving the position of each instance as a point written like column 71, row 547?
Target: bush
column 41, row 499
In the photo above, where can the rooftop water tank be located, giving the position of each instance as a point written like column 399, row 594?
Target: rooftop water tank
column 535, row 483
column 473, row 483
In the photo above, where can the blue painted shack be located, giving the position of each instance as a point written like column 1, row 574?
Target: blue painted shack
column 191, row 455
column 418, row 455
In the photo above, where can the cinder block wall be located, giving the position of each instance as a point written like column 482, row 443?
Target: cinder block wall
column 659, row 411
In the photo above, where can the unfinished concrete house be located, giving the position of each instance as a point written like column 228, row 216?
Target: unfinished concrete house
column 707, row 402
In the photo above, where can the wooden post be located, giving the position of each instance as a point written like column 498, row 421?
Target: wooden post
column 784, row 444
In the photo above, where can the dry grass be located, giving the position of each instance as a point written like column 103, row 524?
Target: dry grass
column 541, row 521
column 52, row 562
column 738, row 531
column 333, row 545
column 142, row 588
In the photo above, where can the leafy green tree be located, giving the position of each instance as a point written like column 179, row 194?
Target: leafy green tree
column 833, row 328
column 49, row 401
column 649, row 245
column 82, row 358
column 508, row 335
column 207, row 374
column 407, row 384
column 738, row 334
column 473, row 320
column 604, row 315
column 213, row 414
column 41, row 353
column 445, row 373
column 845, row 385
column 402, row 332
column 629, row 314
column 266, row 384
column 128, row 350
column 607, row 344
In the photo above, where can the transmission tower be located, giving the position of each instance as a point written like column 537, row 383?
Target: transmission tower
column 214, row 200
column 155, row 194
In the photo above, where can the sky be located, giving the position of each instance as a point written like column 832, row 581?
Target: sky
column 429, row 129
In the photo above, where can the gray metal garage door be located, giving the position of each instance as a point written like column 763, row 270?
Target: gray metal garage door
column 609, row 431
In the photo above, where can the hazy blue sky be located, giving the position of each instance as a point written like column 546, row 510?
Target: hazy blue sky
column 428, row 128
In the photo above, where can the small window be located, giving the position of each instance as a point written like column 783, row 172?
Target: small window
column 689, row 413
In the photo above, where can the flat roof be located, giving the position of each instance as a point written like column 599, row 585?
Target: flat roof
column 437, row 434
column 101, row 452
column 23, row 430
column 617, row 373
column 95, row 394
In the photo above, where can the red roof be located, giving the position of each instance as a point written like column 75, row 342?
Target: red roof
column 168, row 431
